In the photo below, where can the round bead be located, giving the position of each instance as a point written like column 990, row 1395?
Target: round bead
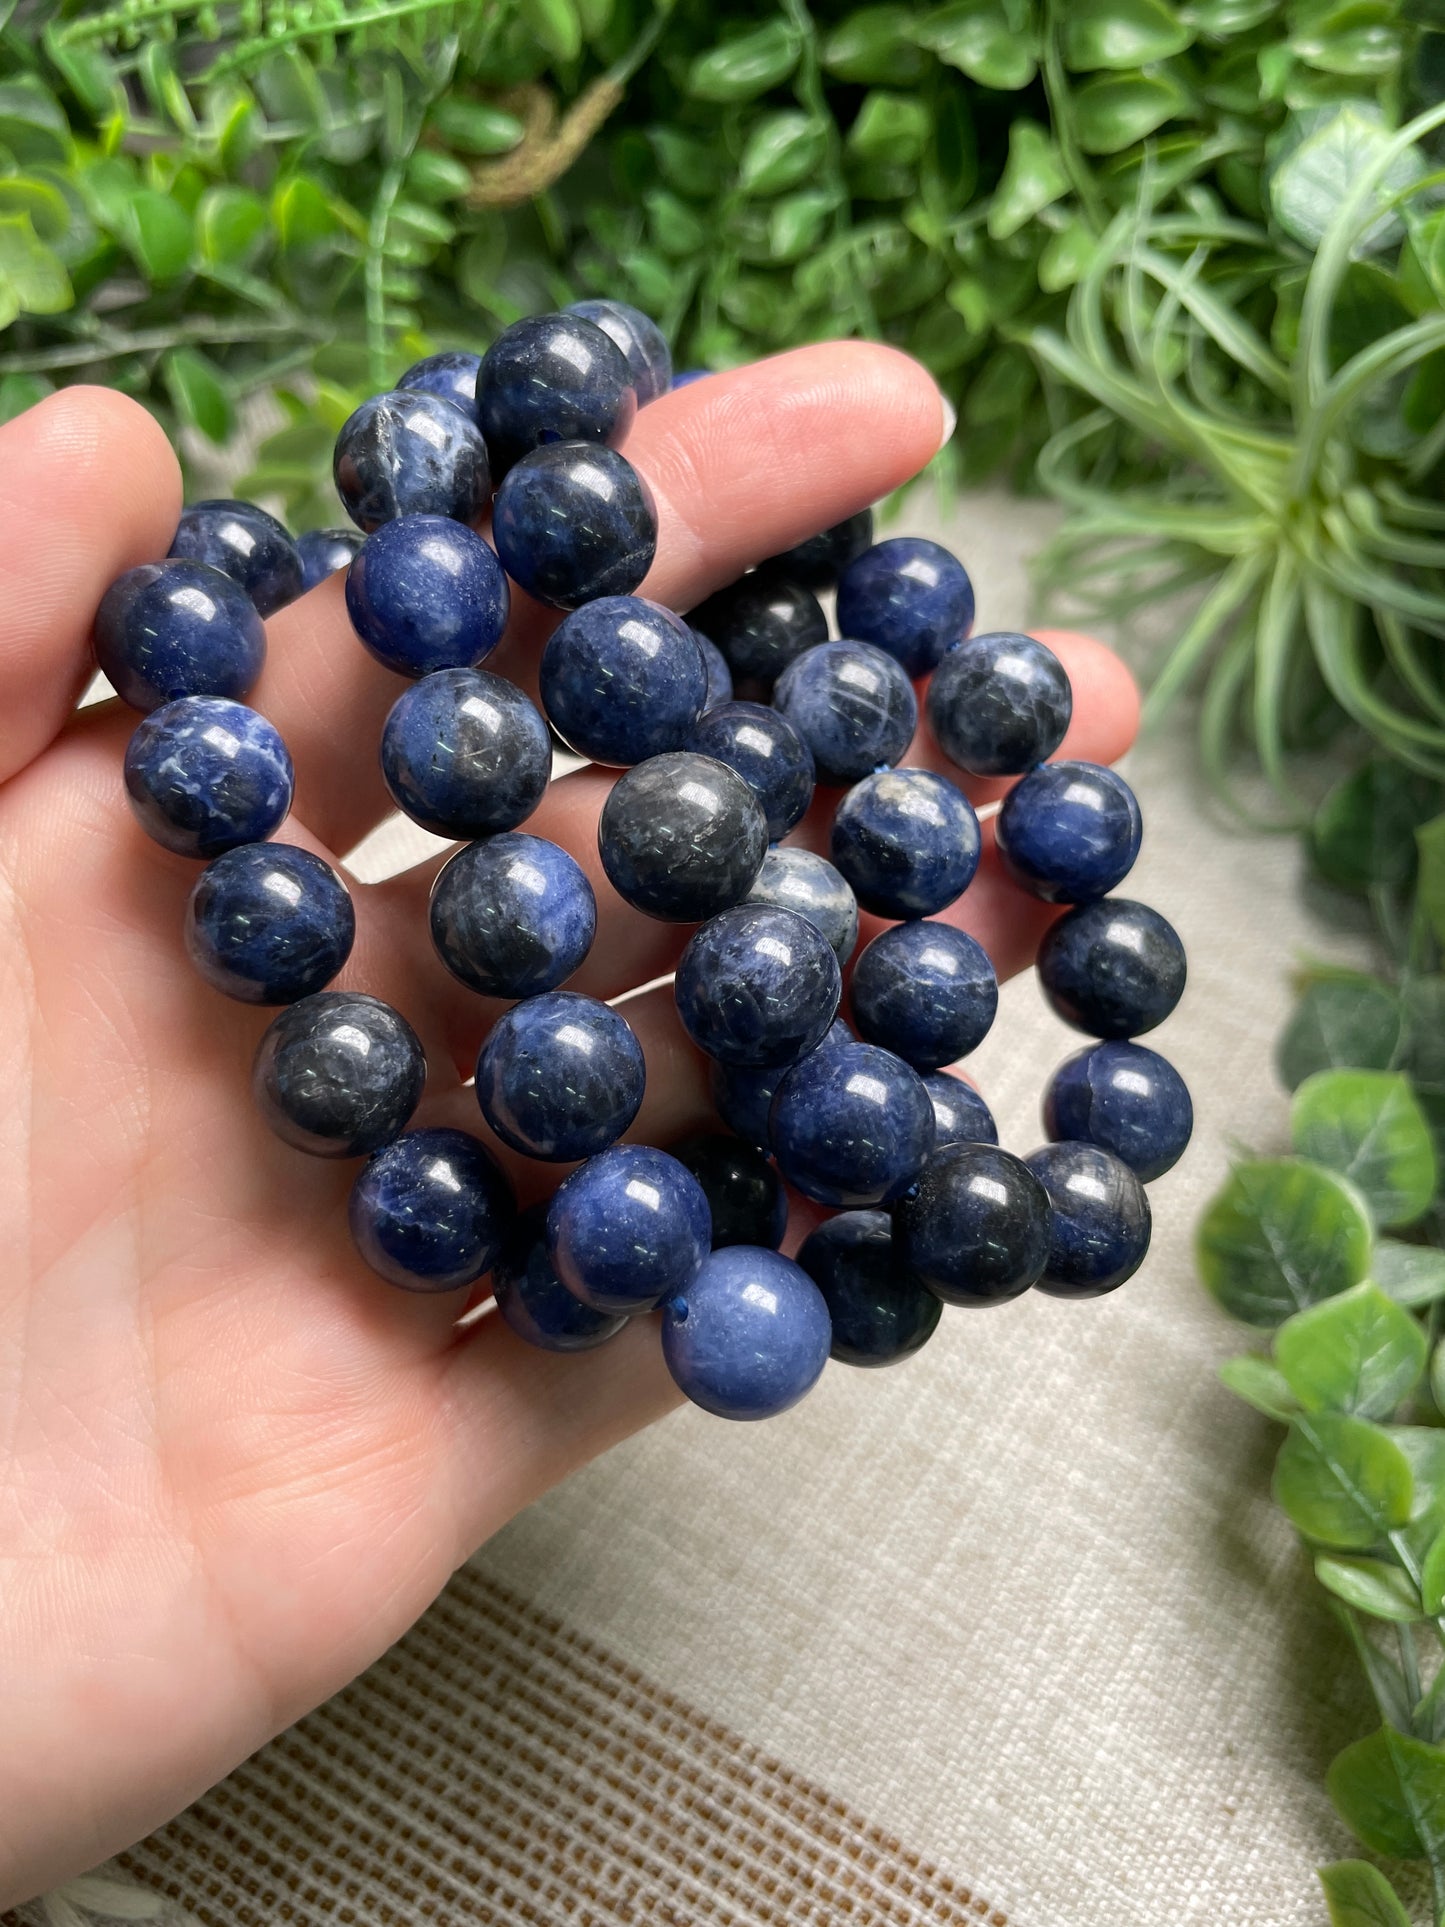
column 171, row 629
column 852, row 705
column 926, row 992
column 819, row 560
column 623, row 679
column 851, row 1125
column 627, row 1228
column 798, row 880
column 643, row 344
column 1114, row 968
column 409, row 452
column 1069, row 831
column 431, row 1211
column 906, row 841
column 452, row 375
column 749, row 1336
column 719, row 676
column 976, row 1227
column 534, row 1301
column 757, row 986
column 512, row 915
column 681, row 837
column 573, row 522
column 960, row 1115
column 560, row 1077
column 426, row 593
column 245, row 543
column 879, row 1312
column 338, row 1074
column 744, row 1197
column 465, row 754
column 761, row 623
column 689, row 376
column 1100, row 1234
column 1125, row 1099
column 552, row 378
column 324, row 552
column 908, row 596
column 769, row 755
column 999, row 704
column 269, row 924
column 204, row 775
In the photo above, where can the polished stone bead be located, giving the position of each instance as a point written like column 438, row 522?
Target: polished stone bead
column 749, row 1336
column 512, row 915
column 204, row 775
column 572, row 522
column 906, row 842
column 689, row 376
column 465, row 754
column 623, row 679
column 408, row 452
column 452, row 375
column 1114, row 968
column 761, row 623
column 1100, row 1234
column 627, row 1228
column 1125, row 1099
column 1069, row 831
column 268, row 924
column 852, row 705
column 534, row 1301
column 975, row 1228
column 908, row 596
column 681, row 837
column 719, row 676
column 560, row 1077
column 851, row 1125
column 757, row 986
column 643, row 344
column 819, row 560
column 744, row 1098
column 960, row 1115
column 879, row 1311
column 747, row 1203
column 245, row 543
column 170, row 629
column 798, row 880
column 769, row 755
column 431, row 1211
column 552, row 378
column 999, row 704
column 426, row 593
column 339, row 1074
column 925, row 991
column 324, row 552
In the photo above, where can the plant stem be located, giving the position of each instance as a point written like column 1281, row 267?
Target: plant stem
column 198, row 328
column 810, row 93
column 1056, row 87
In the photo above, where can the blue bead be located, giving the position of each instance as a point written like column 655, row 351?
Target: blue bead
column 324, row 552
column 465, row 754
column 1125, row 1099
column 975, row 1228
column 245, row 543
column 798, row 880
column 431, row 1211
column 819, row 560
column 560, row 1077
column 1100, row 1234
column 769, row 755
column 643, row 344
column 681, row 837
column 851, row 1125
column 906, row 841
column 169, row 629
column 908, row 596
column 534, row 1301
column 623, row 679
column 629, row 1227
column 852, row 705
column 267, row 923
column 426, row 593
column 960, row 1115
column 744, row 1098
column 757, row 986
column 452, row 375
column 1114, row 968
column 689, row 376
column 999, row 704
column 338, row 1074
column 204, row 774
column 573, row 522
column 749, row 1336
column 746, row 1201
column 926, row 992
column 408, row 452
column 552, row 378
column 879, row 1312
column 719, row 676
column 761, row 623
column 1069, row 831
column 512, row 915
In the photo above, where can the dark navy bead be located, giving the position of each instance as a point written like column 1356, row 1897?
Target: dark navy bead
column 268, row 923
column 431, row 1211
column 926, row 992
column 552, row 378
column 452, row 375
column 960, row 1115
column 852, row 705
column 689, row 376
column 747, row 1203
column 910, row 597
column 1100, row 1233
column 1125, row 1099
column 851, row 1125
column 573, row 522
column 534, row 1301
column 623, row 679
column 643, row 344
column 798, row 880
column 878, row 1310
column 245, row 543
column 681, row 837
column 560, row 1077
column 769, row 755
column 758, row 986
column 465, row 754
column 744, row 1098
column 204, row 774
column 628, row 1227
column 906, row 841
column 324, row 552
column 339, row 1074
column 719, row 676
column 169, row 629
column 761, row 623
column 819, row 560
column 999, row 704
column 1069, row 831
column 1114, row 968
column 975, row 1228
column 512, row 915
column 409, row 452
column 749, row 1336
column 426, row 593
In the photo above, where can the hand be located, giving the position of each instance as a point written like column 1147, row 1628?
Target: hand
column 234, row 1465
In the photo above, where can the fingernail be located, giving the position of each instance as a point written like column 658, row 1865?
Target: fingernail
column 950, row 420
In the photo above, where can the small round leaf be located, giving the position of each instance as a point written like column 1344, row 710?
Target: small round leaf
column 1282, row 1235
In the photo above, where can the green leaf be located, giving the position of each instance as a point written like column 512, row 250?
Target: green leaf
column 1033, row 178
column 1364, row 831
column 157, row 231
column 1112, row 113
column 1410, row 1274
column 33, row 280
column 1323, row 154
column 1432, row 1575
column 1279, row 1236
column 45, row 206
column 890, row 129
column 230, row 222
column 1261, row 1385
column 303, row 212
column 435, row 176
column 32, row 122
column 1342, row 1482
column 980, row 40
column 472, row 127
column 782, row 151
column 1368, row 1126
column 1121, row 34
column 19, row 392
column 1358, row 1895
column 553, row 24
column 199, row 394
column 798, row 223
column 1359, row 1352
column 1430, row 844
column 743, row 68
column 1390, row 1791
column 875, row 47
column 1370, row 1586
column 1343, row 1021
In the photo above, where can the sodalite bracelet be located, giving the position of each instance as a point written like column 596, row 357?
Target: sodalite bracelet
column 728, row 724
